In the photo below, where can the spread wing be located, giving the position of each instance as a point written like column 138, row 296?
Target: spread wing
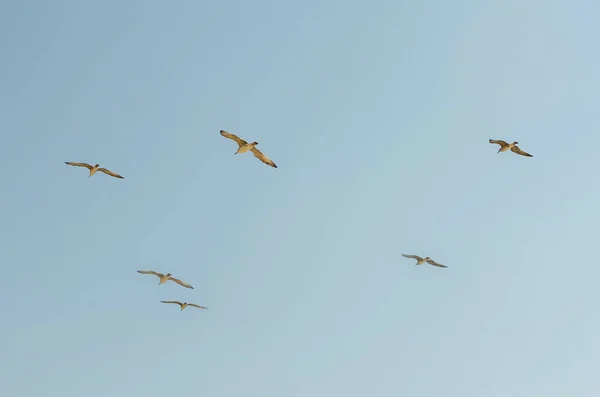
column 434, row 263
column 260, row 155
column 159, row 275
column 89, row 167
column 498, row 142
column 175, row 302
column 181, row 283
column 413, row 257
column 198, row 306
column 516, row 150
column 233, row 137
column 107, row 172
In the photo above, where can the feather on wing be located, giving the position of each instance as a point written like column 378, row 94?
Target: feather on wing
column 86, row 165
column 107, row 172
column 233, row 137
column 261, row 156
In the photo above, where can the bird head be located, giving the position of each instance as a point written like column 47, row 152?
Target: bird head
column 427, row 258
column 515, row 143
column 254, row 143
column 168, row 274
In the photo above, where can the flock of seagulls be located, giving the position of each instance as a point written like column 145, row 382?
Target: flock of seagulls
column 163, row 278
column 504, row 146
column 244, row 147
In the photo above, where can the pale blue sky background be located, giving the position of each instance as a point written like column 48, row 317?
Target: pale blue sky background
column 378, row 115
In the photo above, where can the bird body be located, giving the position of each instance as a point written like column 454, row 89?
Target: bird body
column 504, row 147
column 94, row 168
column 244, row 146
column 421, row 261
column 185, row 304
column 163, row 278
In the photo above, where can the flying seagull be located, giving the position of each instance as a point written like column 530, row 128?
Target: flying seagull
column 420, row 260
column 184, row 305
column 94, row 169
column 245, row 146
column 509, row 146
column 165, row 277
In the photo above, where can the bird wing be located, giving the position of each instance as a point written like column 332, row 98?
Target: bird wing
column 236, row 138
column 89, row 167
column 517, row 150
column 159, row 275
column 198, row 306
column 261, row 156
column 434, row 263
column 176, row 302
column 181, row 283
column 498, row 142
column 413, row 257
column 107, row 172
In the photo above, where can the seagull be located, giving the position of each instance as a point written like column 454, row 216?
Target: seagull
column 509, row 146
column 165, row 277
column 94, row 169
column 245, row 146
column 420, row 260
column 184, row 305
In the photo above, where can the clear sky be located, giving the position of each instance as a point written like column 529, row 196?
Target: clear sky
column 378, row 115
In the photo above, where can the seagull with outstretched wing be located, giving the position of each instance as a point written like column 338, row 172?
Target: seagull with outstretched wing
column 421, row 261
column 165, row 277
column 94, row 168
column 504, row 146
column 185, row 304
column 245, row 146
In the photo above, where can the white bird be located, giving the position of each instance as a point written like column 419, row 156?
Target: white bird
column 165, row 277
column 184, row 305
column 509, row 146
column 94, row 168
column 245, row 146
column 420, row 260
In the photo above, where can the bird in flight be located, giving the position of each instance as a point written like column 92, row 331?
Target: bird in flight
column 420, row 260
column 165, row 277
column 509, row 146
column 245, row 146
column 184, row 305
column 94, row 168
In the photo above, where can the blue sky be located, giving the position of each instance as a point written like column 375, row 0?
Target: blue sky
column 378, row 116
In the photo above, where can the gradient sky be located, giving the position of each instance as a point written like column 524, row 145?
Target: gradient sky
column 378, row 115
